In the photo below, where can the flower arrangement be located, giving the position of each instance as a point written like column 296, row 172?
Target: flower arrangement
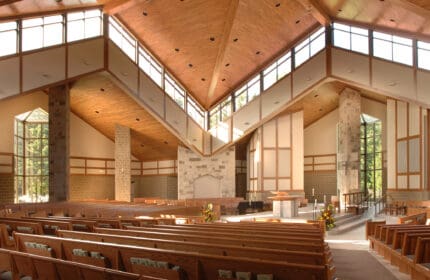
column 208, row 213
column 327, row 216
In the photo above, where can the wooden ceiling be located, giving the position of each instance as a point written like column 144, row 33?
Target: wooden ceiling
column 408, row 17
column 101, row 103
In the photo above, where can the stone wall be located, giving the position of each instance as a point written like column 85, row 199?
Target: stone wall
column 7, row 189
column 92, row 187
column 192, row 167
column 123, row 190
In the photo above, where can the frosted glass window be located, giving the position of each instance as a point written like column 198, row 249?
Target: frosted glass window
column 247, row 92
column 84, row 24
column 277, row 71
column 174, row 90
column 351, row 38
column 8, row 38
column 401, row 156
column 393, row 48
column 309, row 47
column 122, row 39
column 150, row 67
column 42, row 32
column 423, row 55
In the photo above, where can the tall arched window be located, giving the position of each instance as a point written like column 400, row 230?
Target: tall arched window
column 31, row 156
column 371, row 156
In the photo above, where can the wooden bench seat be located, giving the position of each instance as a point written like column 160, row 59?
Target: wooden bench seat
column 195, row 265
column 206, row 248
column 303, row 245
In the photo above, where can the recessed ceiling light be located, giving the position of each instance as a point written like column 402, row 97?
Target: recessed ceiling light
column 97, row 112
column 392, row 20
column 277, row 5
column 102, row 89
column 142, row 145
column 203, row 79
column 340, row 10
column 227, row 65
column 165, row 142
column 176, row 50
column 137, row 119
column 190, row 65
column 212, row 39
column 321, row 109
column 316, row 95
column 235, row 39
column 145, row 14
column 246, row 123
column 257, row 52
column 298, row 21
column 223, row 80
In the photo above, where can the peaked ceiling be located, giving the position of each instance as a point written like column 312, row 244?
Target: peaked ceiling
column 213, row 46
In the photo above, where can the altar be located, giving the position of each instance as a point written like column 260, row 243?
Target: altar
column 284, row 205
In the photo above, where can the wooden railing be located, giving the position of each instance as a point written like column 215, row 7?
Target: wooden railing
column 6, row 164
column 106, row 166
column 315, row 163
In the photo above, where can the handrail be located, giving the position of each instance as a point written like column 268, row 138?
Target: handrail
column 380, row 204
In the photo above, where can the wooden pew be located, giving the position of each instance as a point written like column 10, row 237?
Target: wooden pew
column 292, row 236
column 317, row 246
column 195, row 265
column 39, row 267
column 405, row 244
column 417, row 219
column 420, row 269
column 205, row 248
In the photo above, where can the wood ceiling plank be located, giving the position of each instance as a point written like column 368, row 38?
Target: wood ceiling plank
column 116, row 6
column 219, row 64
column 7, row 2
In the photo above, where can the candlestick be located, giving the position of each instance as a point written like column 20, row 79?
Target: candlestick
column 324, row 200
column 313, row 192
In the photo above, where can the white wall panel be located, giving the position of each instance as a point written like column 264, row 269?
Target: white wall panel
column 402, row 164
column 402, row 182
column 123, row 68
column 414, row 182
column 391, row 144
column 269, row 157
column 269, row 184
column 246, row 117
column 269, row 134
column 414, row 119
column 284, row 184
column 394, row 78
column 195, row 135
column 85, row 57
column 176, row 117
column 9, row 77
column 350, row 66
column 284, row 163
column 43, row 68
column 151, row 94
column 402, row 115
column 284, row 131
column 309, row 73
column 276, row 96
column 423, row 86
column 297, row 150
column 414, row 155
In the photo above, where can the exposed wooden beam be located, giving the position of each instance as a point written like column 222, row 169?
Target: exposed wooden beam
column 317, row 11
column 117, row 6
column 7, row 2
column 228, row 26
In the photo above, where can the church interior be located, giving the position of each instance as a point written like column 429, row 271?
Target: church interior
column 202, row 139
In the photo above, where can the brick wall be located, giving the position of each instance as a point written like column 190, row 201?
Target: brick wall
column 6, row 189
column 92, row 187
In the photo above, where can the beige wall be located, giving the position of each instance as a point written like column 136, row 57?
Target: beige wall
column 377, row 110
column 320, row 137
column 86, row 141
column 9, row 108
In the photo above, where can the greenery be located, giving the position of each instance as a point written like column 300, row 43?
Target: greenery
column 208, row 213
column 327, row 216
column 371, row 157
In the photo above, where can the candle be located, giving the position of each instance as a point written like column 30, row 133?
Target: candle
column 315, row 201
column 324, row 199
column 313, row 192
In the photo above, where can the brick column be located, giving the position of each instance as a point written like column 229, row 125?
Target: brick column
column 123, row 191
column 59, row 143
column 348, row 147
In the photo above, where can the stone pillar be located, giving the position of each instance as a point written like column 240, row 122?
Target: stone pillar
column 123, row 190
column 348, row 146
column 59, row 143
